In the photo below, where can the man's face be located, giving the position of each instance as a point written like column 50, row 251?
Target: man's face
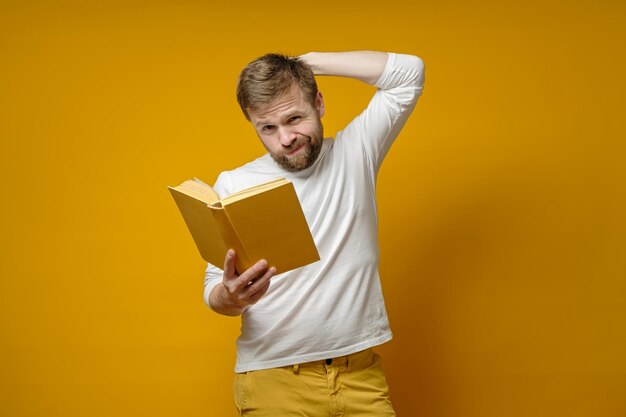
column 290, row 128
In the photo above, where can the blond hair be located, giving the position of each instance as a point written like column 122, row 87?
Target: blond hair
column 269, row 76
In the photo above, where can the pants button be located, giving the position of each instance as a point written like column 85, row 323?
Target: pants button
column 329, row 361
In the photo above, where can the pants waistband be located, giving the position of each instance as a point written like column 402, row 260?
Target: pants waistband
column 339, row 361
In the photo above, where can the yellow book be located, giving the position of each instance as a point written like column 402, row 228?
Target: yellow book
column 261, row 222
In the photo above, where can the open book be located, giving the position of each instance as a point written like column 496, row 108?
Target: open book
column 261, row 222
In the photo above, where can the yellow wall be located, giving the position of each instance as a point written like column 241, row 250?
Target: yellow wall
column 502, row 205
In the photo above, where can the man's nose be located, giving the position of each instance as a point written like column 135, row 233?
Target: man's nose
column 286, row 136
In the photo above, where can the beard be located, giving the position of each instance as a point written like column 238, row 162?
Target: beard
column 304, row 159
column 311, row 147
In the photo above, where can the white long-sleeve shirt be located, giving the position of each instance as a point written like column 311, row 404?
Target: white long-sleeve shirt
column 335, row 306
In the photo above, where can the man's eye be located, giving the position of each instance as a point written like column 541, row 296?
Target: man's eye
column 295, row 119
column 268, row 128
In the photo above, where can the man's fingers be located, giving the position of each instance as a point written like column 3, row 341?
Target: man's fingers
column 229, row 265
column 252, row 273
column 260, row 282
column 260, row 293
column 249, row 287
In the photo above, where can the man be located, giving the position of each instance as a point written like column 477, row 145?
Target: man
column 307, row 334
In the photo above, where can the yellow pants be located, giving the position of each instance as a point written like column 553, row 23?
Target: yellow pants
column 352, row 385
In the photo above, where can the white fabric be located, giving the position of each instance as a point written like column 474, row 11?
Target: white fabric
column 335, row 306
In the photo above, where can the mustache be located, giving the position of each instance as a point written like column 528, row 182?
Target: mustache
column 303, row 140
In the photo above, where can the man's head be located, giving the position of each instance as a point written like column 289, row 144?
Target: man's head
column 279, row 95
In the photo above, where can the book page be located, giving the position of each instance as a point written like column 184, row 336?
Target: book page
column 253, row 190
column 198, row 190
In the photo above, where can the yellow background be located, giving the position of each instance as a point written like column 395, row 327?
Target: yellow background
column 502, row 227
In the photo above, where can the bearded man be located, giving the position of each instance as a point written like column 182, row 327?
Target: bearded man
column 307, row 335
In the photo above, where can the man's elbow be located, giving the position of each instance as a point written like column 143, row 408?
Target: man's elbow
column 416, row 65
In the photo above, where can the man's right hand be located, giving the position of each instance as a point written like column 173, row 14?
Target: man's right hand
column 237, row 291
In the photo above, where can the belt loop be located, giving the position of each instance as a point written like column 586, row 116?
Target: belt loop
column 348, row 363
column 296, row 368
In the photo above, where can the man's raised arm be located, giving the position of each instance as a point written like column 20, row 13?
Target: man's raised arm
column 366, row 66
column 399, row 79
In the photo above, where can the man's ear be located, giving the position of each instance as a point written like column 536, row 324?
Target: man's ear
column 319, row 103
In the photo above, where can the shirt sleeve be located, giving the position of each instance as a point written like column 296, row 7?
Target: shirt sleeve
column 212, row 278
column 399, row 87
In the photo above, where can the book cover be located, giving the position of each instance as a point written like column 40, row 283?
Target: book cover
column 261, row 222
